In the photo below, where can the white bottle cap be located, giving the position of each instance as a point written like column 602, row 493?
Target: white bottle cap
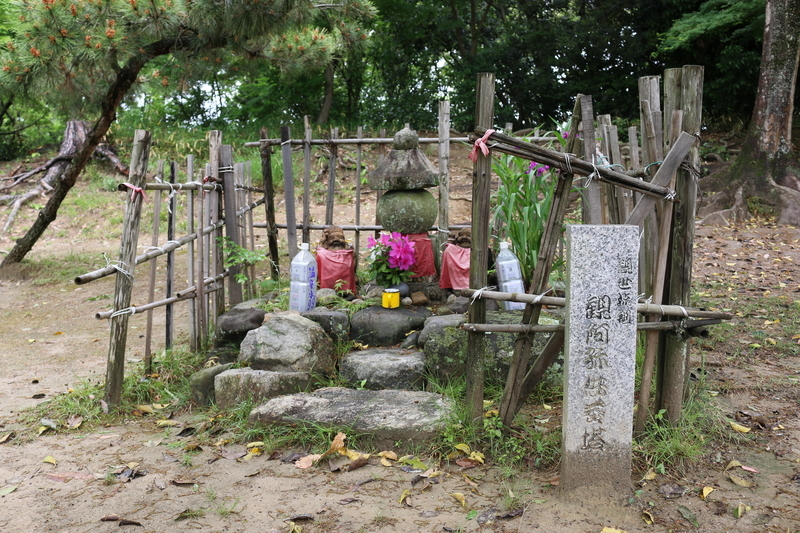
column 504, row 245
column 304, row 246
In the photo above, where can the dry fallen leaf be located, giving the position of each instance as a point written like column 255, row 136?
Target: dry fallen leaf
column 648, row 518
column 404, row 497
column 740, row 481
column 5, row 438
column 307, row 461
column 650, row 475
column 74, row 422
column 460, row 499
column 463, row 448
column 740, row 428
column 388, row 455
column 8, row 490
column 707, row 491
column 167, row 423
column 733, row 464
column 50, row 459
column 612, row 530
column 386, row 462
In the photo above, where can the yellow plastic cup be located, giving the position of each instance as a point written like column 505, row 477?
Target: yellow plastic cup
column 391, row 298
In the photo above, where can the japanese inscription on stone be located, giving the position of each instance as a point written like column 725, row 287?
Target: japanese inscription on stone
column 600, row 346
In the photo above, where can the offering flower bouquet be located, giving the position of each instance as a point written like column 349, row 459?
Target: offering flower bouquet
column 390, row 258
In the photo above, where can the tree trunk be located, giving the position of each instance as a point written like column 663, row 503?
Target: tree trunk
column 764, row 169
column 125, row 78
column 327, row 103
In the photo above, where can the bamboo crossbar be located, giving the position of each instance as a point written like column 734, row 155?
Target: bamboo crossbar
column 168, row 247
column 185, row 294
column 549, row 328
column 189, row 186
column 644, row 308
column 364, row 140
column 351, row 227
column 577, row 166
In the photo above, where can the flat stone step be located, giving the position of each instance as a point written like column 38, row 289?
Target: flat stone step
column 384, row 368
column 390, row 416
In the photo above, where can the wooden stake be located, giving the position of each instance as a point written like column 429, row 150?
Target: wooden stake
column 676, row 357
column 231, row 220
column 331, row 196
column 269, row 206
column 115, row 369
column 479, row 260
column 288, row 189
column 440, row 237
column 190, row 267
column 151, row 289
column 306, row 179
column 173, row 206
column 592, row 206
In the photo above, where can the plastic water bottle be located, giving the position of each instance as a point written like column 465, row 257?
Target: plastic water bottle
column 303, row 287
column 509, row 275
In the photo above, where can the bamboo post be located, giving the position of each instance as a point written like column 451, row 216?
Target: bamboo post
column 359, row 153
column 209, row 240
column 269, row 206
column 676, row 355
column 518, row 374
column 200, row 273
column 608, row 193
column 653, row 338
column 173, row 205
column 115, row 369
column 214, row 144
column 650, row 148
column 379, row 193
column 331, row 196
column 151, row 288
column 231, row 222
column 248, row 199
column 190, row 267
column 479, row 260
column 444, row 183
column 592, row 206
column 241, row 222
column 306, row 178
column 672, row 103
column 288, row 188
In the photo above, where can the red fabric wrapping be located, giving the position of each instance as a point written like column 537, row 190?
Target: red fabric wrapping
column 335, row 265
column 423, row 255
column 455, row 268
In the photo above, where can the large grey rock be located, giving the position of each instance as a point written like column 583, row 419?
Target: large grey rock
column 241, row 384
column 288, row 342
column 435, row 324
column 335, row 323
column 389, row 416
column 234, row 325
column 384, row 368
column 446, row 348
column 377, row 326
column 201, row 383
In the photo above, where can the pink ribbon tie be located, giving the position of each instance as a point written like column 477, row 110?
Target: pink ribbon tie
column 135, row 190
column 480, row 143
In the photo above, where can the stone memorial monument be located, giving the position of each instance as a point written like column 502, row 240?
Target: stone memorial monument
column 600, row 358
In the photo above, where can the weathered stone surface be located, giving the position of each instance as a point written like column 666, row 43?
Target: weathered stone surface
column 458, row 304
column 600, row 347
column 430, row 289
column 202, row 383
column 405, row 167
column 234, row 325
column 242, row 384
column 390, row 415
column 226, row 353
column 407, row 211
column 419, row 298
column 445, row 349
column 386, row 368
column 435, row 324
column 335, row 323
column 376, row 326
column 288, row 342
column 411, row 340
column 326, row 296
column 255, row 302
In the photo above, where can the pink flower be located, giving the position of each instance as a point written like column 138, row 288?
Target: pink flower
column 371, row 242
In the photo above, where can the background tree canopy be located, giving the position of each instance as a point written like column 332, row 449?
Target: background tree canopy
column 381, row 67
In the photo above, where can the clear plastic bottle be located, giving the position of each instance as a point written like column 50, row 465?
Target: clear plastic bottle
column 303, row 287
column 509, row 275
